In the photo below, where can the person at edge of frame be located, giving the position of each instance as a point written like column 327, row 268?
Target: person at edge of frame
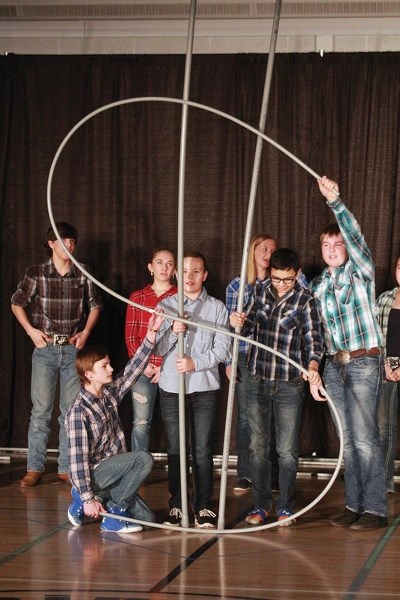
column 65, row 306
column 388, row 306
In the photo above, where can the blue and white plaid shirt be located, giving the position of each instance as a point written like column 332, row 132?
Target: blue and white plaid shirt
column 232, row 297
column 346, row 298
column 93, row 426
column 290, row 325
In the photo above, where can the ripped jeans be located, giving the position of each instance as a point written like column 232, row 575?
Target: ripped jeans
column 144, row 395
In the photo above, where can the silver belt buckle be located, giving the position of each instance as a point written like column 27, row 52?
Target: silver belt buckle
column 342, row 357
column 393, row 362
column 60, row 339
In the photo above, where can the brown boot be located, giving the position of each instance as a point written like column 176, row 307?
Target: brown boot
column 64, row 477
column 31, row 478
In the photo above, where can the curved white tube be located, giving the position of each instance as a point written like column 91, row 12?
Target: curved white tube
column 202, row 325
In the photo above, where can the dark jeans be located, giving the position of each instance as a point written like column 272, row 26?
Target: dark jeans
column 242, row 428
column 285, row 399
column 201, row 412
column 387, row 425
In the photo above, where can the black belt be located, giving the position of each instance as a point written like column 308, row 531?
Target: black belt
column 344, row 356
column 59, row 339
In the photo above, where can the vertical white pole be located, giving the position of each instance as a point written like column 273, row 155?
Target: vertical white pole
column 247, row 239
column 181, row 202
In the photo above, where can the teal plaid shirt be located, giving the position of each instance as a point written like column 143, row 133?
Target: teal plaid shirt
column 346, row 298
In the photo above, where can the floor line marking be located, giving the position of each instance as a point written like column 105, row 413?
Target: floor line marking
column 192, row 558
column 12, row 555
column 365, row 571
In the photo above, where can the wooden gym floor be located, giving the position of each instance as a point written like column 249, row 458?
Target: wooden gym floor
column 42, row 557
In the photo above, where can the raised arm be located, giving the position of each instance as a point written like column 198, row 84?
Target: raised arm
column 328, row 188
column 358, row 252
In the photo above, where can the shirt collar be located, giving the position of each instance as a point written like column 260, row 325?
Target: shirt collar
column 338, row 270
column 51, row 270
column 202, row 297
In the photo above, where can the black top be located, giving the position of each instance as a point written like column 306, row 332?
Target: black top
column 393, row 333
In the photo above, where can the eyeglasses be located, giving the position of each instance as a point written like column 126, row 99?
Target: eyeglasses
column 285, row 280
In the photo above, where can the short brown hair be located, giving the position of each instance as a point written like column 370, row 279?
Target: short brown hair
column 85, row 359
column 198, row 255
column 330, row 230
column 65, row 230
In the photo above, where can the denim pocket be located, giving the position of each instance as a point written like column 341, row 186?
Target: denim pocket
column 296, row 381
column 254, row 378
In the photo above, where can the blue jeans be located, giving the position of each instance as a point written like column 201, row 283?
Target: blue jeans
column 144, row 395
column 242, row 426
column 387, row 426
column 117, row 479
column 50, row 365
column 285, row 399
column 201, row 413
column 355, row 390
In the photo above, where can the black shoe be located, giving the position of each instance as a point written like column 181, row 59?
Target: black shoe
column 205, row 518
column 369, row 521
column 346, row 519
column 174, row 517
column 242, row 485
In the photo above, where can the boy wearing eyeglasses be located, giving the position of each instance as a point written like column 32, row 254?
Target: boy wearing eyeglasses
column 284, row 317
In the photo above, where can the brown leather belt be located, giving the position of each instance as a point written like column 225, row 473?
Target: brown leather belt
column 344, row 356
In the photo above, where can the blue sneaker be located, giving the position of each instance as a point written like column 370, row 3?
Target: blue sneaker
column 283, row 518
column 259, row 516
column 118, row 525
column 75, row 510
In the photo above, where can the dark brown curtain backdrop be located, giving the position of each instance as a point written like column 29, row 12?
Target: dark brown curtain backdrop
column 117, row 179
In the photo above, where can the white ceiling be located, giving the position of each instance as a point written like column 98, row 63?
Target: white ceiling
column 160, row 27
column 179, row 9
